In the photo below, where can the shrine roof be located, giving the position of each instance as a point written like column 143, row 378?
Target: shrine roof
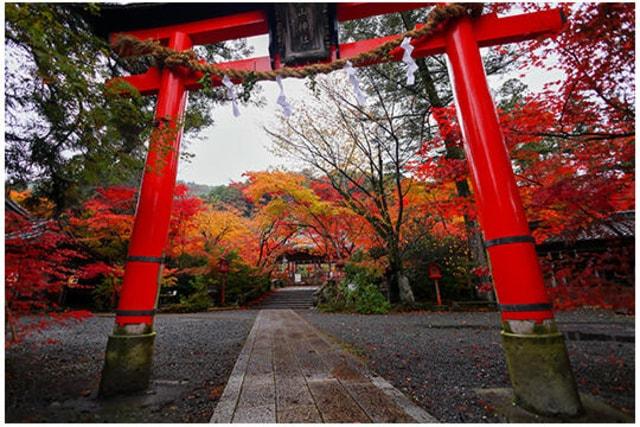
column 618, row 227
column 33, row 228
column 301, row 256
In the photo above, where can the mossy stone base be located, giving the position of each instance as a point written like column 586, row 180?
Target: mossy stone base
column 540, row 373
column 595, row 410
column 127, row 364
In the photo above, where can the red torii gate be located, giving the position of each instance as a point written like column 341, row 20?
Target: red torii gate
column 536, row 354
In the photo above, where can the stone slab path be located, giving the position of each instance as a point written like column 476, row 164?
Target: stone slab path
column 288, row 372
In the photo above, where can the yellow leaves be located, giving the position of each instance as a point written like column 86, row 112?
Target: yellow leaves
column 286, row 194
column 271, row 182
column 223, row 231
column 218, row 225
column 40, row 207
column 19, row 196
column 275, row 208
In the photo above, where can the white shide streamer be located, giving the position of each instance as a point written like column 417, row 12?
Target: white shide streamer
column 353, row 79
column 412, row 67
column 231, row 93
column 282, row 99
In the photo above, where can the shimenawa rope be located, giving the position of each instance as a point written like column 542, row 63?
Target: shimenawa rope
column 436, row 21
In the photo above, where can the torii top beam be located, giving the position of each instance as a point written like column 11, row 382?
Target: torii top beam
column 252, row 22
column 489, row 30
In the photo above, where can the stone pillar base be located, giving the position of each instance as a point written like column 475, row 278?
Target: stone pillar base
column 127, row 364
column 540, row 372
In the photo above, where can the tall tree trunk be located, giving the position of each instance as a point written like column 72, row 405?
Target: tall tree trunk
column 397, row 282
column 474, row 236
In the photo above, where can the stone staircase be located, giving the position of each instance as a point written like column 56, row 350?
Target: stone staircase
column 292, row 297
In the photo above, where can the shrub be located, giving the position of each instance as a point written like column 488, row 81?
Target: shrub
column 199, row 283
column 452, row 255
column 358, row 292
column 199, row 299
column 369, row 300
column 244, row 283
column 105, row 294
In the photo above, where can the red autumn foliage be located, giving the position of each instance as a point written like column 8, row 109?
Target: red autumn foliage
column 185, row 208
column 106, row 220
column 39, row 262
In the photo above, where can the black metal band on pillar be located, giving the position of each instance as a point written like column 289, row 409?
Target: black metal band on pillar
column 510, row 239
column 132, row 313
column 525, row 307
column 141, row 258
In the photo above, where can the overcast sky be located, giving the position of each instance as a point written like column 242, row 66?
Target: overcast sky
column 235, row 145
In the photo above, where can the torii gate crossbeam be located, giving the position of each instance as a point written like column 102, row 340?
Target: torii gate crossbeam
column 536, row 354
column 488, row 30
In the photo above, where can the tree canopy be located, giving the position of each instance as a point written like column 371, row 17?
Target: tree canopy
column 67, row 132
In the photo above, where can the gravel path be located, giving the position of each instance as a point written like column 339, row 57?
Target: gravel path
column 195, row 354
column 437, row 359
column 440, row 358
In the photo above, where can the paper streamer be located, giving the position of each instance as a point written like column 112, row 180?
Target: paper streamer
column 353, row 79
column 412, row 67
column 282, row 99
column 231, row 93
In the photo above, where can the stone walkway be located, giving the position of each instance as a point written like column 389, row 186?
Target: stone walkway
column 290, row 372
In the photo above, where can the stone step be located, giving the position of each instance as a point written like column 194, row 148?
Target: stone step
column 269, row 305
column 266, row 303
column 286, row 303
column 300, row 299
column 285, row 293
column 291, row 295
column 276, row 296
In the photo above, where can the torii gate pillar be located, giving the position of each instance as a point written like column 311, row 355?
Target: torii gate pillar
column 129, row 354
column 536, row 353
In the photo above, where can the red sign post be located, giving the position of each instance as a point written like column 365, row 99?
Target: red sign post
column 536, row 354
column 434, row 271
column 435, row 274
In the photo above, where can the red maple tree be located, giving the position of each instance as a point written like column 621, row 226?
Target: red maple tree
column 39, row 263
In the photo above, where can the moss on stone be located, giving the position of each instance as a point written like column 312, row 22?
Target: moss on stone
column 127, row 366
column 541, row 374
